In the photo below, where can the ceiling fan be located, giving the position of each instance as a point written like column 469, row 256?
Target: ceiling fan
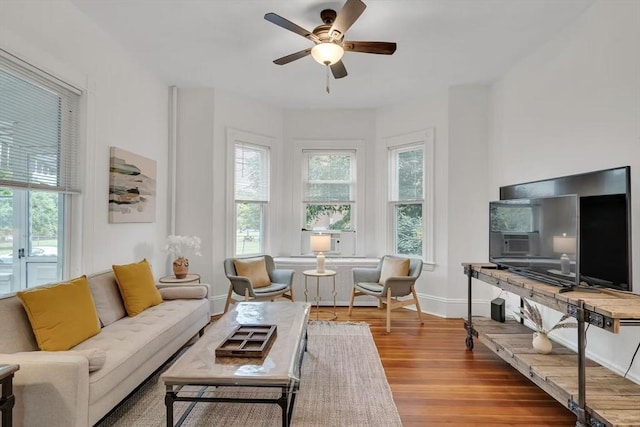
column 328, row 38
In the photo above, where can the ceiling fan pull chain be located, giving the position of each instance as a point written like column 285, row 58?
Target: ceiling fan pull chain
column 327, row 67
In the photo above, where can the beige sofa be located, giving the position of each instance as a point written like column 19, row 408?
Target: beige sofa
column 56, row 388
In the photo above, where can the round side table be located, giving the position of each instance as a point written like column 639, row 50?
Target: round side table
column 191, row 278
column 317, row 275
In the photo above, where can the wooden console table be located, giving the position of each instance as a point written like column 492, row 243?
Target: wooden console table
column 598, row 396
column 7, row 398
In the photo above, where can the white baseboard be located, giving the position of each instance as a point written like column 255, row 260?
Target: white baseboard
column 437, row 306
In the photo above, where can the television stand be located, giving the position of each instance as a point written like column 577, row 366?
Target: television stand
column 598, row 396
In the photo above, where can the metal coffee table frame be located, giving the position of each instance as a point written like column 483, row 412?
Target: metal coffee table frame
column 286, row 400
column 288, row 384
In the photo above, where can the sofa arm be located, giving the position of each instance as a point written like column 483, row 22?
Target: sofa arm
column 162, row 286
column 50, row 389
column 183, row 292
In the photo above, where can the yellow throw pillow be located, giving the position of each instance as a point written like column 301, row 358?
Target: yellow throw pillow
column 253, row 268
column 393, row 267
column 137, row 287
column 61, row 315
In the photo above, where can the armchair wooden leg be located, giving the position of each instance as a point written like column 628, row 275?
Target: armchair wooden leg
column 389, row 310
column 353, row 295
column 226, row 305
column 415, row 298
column 246, row 294
column 291, row 292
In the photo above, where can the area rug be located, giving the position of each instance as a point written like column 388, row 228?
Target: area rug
column 343, row 384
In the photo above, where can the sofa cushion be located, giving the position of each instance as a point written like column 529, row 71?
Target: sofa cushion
column 106, row 297
column 255, row 269
column 132, row 342
column 62, row 315
column 137, row 287
column 393, row 267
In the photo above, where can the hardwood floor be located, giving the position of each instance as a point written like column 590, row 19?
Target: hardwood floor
column 437, row 382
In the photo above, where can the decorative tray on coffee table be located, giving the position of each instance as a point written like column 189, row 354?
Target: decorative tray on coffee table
column 248, row 341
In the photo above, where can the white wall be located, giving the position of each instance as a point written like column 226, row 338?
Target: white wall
column 412, row 116
column 126, row 107
column 197, row 168
column 204, row 116
column 574, row 106
column 330, row 125
column 468, row 189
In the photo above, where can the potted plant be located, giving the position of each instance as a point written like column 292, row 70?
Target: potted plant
column 541, row 342
column 180, row 247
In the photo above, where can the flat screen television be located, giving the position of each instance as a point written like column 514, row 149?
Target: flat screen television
column 604, row 226
column 604, row 241
column 536, row 237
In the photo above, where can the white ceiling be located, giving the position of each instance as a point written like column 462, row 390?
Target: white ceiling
column 227, row 44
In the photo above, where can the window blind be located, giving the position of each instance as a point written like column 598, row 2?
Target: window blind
column 407, row 173
column 38, row 129
column 251, row 173
column 329, row 176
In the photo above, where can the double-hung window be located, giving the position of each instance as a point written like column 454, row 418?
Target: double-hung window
column 410, row 195
column 38, row 172
column 251, row 197
column 329, row 189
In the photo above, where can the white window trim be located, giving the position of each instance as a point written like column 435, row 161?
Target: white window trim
column 235, row 136
column 427, row 139
column 356, row 145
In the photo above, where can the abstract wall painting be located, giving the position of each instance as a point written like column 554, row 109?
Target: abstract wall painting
column 132, row 187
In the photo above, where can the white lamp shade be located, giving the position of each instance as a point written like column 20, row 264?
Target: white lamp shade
column 320, row 242
column 564, row 245
column 327, row 53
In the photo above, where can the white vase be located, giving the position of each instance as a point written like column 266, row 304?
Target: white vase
column 541, row 343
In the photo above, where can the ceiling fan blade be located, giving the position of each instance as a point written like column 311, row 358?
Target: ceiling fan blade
column 292, row 57
column 351, row 11
column 381, row 48
column 288, row 25
column 338, row 70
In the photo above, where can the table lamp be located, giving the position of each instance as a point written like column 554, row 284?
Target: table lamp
column 564, row 245
column 320, row 243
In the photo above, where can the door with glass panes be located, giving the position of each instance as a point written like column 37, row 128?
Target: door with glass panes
column 30, row 238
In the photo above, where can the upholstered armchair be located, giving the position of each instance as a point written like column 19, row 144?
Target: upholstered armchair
column 257, row 279
column 394, row 277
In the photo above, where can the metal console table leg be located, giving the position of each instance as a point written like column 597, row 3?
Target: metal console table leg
column 469, row 340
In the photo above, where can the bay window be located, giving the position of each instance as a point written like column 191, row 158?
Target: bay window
column 251, row 197
column 329, row 189
column 410, row 201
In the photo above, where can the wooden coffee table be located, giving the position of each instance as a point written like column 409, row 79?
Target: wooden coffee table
column 280, row 368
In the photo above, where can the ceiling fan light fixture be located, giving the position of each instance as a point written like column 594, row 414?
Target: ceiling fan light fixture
column 327, row 53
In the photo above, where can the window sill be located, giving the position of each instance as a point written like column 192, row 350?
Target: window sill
column 337, row 261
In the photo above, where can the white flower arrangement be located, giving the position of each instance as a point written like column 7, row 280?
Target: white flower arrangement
column 180, row 246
